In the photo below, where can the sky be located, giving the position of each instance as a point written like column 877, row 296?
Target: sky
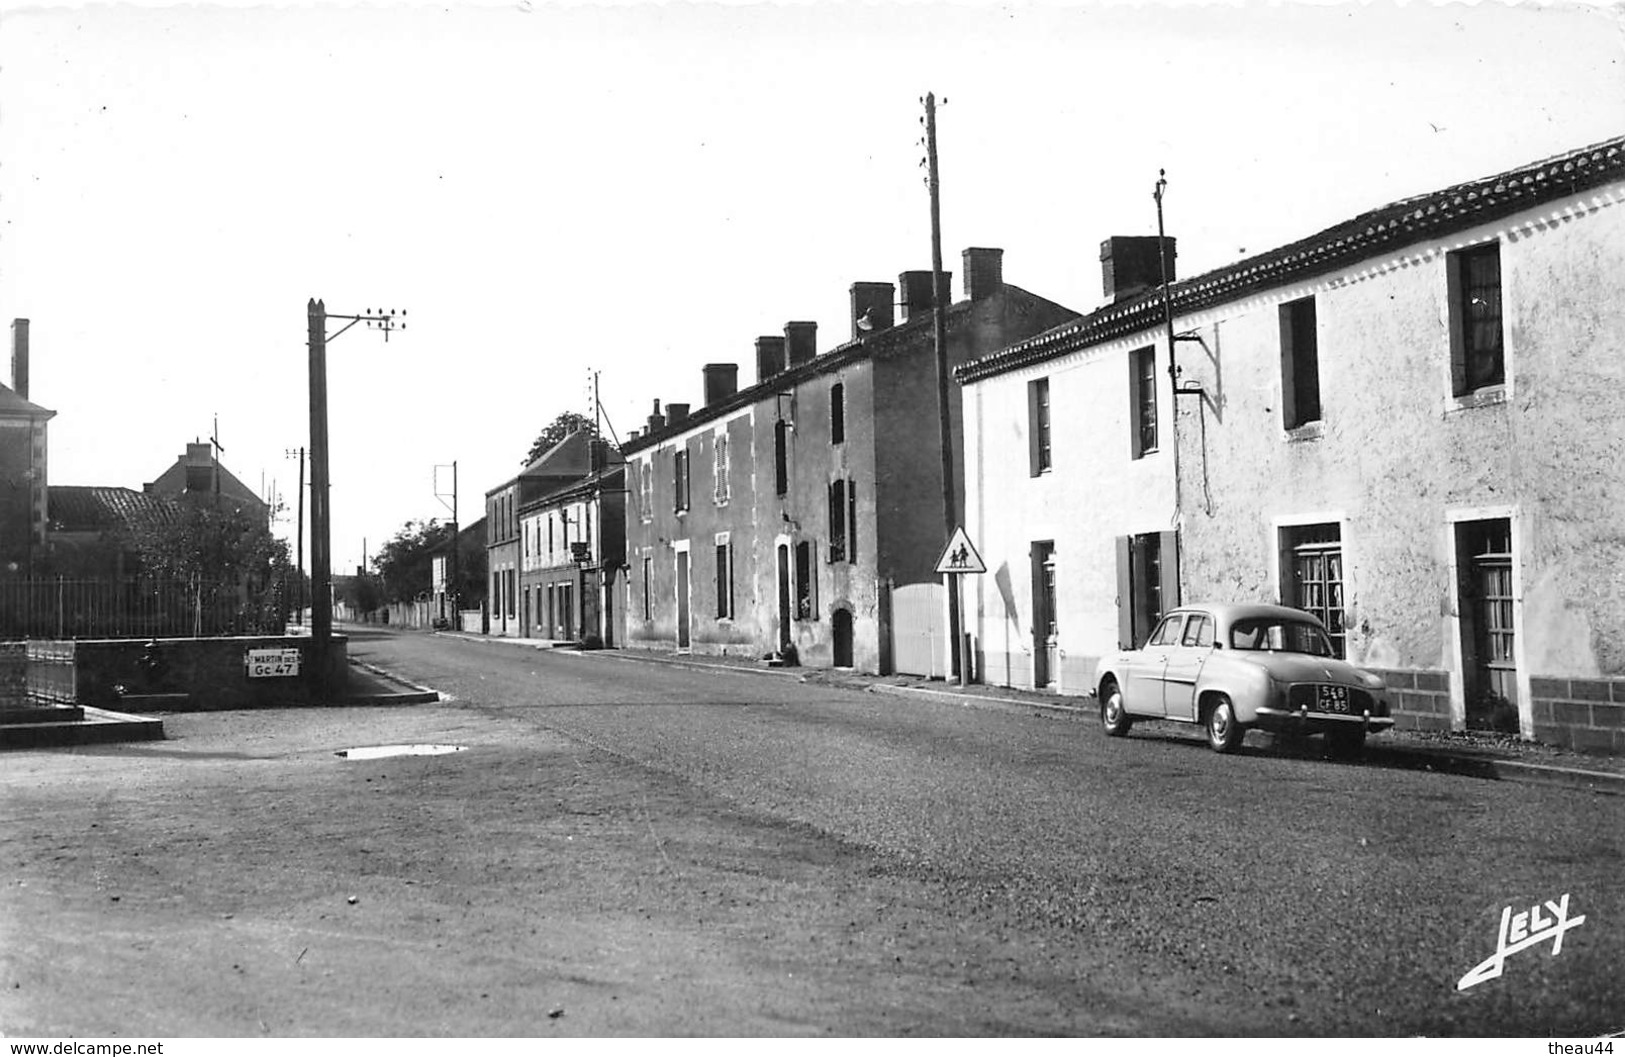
column 640, row 189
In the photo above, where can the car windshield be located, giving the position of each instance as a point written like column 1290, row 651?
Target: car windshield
column 1284, row 636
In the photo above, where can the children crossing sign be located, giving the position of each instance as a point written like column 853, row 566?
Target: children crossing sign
column 960, row 556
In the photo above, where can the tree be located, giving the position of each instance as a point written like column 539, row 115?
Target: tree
column 405, row 564
column 182, row 541
column 226, row 555
column 561, row 427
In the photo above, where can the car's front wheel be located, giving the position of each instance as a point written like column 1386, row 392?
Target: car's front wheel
column 1113, row 716
column 1224, row 733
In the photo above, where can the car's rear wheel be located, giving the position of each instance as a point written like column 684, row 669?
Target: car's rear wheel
column 1224, row 733
column 1346, row 743
column 1113, row 716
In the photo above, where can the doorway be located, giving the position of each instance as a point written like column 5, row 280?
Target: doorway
column 784, row 596
column 1489, row 669
column 841, row 625
column 1046, row 633
column 682, row 600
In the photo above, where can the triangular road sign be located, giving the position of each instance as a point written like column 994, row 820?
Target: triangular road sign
column 960, row 556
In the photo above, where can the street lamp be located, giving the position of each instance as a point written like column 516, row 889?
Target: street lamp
column 321, row 572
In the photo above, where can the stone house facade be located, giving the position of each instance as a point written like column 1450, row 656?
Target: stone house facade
column 1409, row 424
column 572, row 552
column 776, row 518
column 567, row 462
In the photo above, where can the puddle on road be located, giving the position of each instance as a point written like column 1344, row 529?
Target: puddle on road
column 374, row 752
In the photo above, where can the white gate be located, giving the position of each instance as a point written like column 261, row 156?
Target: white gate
column 919, row 638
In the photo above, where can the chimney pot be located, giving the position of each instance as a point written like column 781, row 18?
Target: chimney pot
column 800, row 343
column 871, row 305
column 19, row 357
column 656, row 420
column 984, row 273
column 769, row 357
column 917, row 295
column 721, row 382
column 1129, row 265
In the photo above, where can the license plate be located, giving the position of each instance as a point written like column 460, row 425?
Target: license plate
column 1332, row 699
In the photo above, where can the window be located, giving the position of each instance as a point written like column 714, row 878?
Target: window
column 1314, row 576
column 1198, row 632
column 1147, row 583
column 1300, row 364
column 1167, row 633
column 1477, row 354
column 720, row 467
column 648, row 588
column 837, row 521
column 837, row 413
column 1038, row 426
column 646, row 488
column 511, row 594
column 679, row 479
column 1143, row 400
column 806, row 603
column 781, row 457
column 725, row 581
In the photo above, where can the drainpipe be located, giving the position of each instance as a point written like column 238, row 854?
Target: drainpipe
column 1173, row 375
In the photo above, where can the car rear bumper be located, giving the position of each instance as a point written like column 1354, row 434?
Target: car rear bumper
column 1303, row 720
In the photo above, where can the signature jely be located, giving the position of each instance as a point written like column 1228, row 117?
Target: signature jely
column 1524, row 929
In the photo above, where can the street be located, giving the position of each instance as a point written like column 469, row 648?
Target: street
column 631, row 848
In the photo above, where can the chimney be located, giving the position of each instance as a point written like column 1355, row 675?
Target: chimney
column 769, row 357
column 721, row 382
column 656, row 420
column 19, row 357
column 984, row 273
column 633, row 435
column 800, row 343
column 1129, row 266
column 917, row 292
column 675, row 413
column 871, row 308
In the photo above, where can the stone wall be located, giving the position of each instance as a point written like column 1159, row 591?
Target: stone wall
column 1583, row 714
column 211, row 673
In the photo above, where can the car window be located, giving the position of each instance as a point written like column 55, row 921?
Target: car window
column 1284, row 636
column 1199, row 632
column 1167, row 632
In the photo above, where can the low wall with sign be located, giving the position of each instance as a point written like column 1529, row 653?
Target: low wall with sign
column 133, row 675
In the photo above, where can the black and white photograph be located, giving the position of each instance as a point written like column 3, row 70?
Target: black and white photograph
column 910, row 519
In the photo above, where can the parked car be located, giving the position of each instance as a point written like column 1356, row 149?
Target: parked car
column 1233, row 667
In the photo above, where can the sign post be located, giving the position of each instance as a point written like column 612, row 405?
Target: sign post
column 959, row 559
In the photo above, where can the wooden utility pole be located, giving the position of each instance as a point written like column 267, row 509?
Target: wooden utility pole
column 321, row 572
column 939, row 302
column 321, row 523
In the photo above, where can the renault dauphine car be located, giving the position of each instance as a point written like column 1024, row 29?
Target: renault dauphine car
column 1234, row 667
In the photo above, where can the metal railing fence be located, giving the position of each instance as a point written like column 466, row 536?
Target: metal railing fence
column 125, row 609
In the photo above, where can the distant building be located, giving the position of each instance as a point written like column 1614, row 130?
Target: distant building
column 566, row 463
column 198, row 475
column 24, row 504
column 572, row 553
column 781, row 518
column 1409, row 424
column 92, row 529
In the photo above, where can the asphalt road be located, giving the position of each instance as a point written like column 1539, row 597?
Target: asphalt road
column 632, row 848
column 1248, row 894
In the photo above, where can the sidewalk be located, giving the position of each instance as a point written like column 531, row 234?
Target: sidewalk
column 1476, row 755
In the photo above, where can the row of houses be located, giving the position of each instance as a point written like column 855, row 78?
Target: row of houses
column 1409, row 424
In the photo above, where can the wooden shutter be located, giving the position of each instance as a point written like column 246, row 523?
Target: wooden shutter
column 1125, row 595
column 1168, row 551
